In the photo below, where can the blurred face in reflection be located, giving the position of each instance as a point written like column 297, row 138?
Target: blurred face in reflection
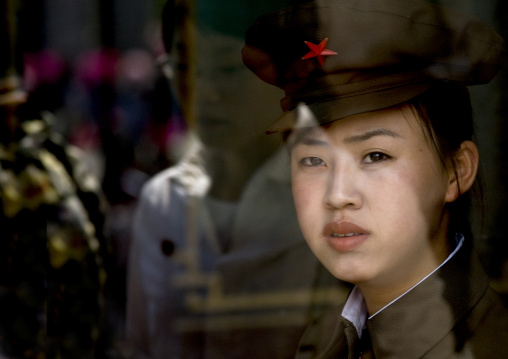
column 370, row 195
column 234, row 107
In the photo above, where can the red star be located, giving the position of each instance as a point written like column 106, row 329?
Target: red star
column 319, row 51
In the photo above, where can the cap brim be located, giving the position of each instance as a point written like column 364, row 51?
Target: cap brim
column 338, row 108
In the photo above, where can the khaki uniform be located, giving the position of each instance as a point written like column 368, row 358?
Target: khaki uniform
column 452, row 314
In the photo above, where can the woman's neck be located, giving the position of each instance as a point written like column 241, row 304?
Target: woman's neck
column 379, row 293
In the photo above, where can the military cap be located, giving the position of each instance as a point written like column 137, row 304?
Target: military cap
column 342, row 57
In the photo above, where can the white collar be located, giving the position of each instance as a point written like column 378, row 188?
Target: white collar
column 355, row 309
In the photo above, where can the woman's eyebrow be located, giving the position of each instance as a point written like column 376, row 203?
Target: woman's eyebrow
column 309, row 141
column 372, row 133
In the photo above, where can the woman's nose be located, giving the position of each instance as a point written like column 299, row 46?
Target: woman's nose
column 343, row 189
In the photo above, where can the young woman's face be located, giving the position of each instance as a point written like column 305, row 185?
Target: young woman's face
column 370, row 195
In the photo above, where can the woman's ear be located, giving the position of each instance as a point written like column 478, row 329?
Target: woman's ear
column 463, row 174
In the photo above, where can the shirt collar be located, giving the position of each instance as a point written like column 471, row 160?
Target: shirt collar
column 355, row 309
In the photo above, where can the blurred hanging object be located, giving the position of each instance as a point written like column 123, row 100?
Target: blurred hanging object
column 52, row 250
column 11, row 92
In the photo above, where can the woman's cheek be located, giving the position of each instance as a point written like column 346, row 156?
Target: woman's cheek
column 307, row 198
column 302, row 194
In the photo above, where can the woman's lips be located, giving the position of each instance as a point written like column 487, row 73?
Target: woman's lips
column 344, row 236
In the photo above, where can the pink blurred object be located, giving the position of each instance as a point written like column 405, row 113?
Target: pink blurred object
column 97, row 66
column 46, row 66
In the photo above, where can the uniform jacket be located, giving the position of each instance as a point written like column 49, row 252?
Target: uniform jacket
column 188, row 298
column 452, row 314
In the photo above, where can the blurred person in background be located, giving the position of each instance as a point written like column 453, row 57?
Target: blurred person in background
column 218, row 267
column 53, row 253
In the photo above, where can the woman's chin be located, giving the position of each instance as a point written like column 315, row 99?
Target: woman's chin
column 351, row 273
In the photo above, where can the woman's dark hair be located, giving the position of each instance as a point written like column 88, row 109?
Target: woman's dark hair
column 446, row 112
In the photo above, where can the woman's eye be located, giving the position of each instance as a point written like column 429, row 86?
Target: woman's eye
column 312, row 161
column 376, row 157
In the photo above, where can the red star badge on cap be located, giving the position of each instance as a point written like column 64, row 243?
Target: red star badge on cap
column 319, row 51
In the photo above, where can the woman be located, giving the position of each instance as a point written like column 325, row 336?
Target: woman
column 378, row 122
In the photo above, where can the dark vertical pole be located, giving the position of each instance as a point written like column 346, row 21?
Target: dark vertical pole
column 31, row 29
column 186, row 52
column 107, row 23
column 8, row 43
column 11, row 68
column 500, row 245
